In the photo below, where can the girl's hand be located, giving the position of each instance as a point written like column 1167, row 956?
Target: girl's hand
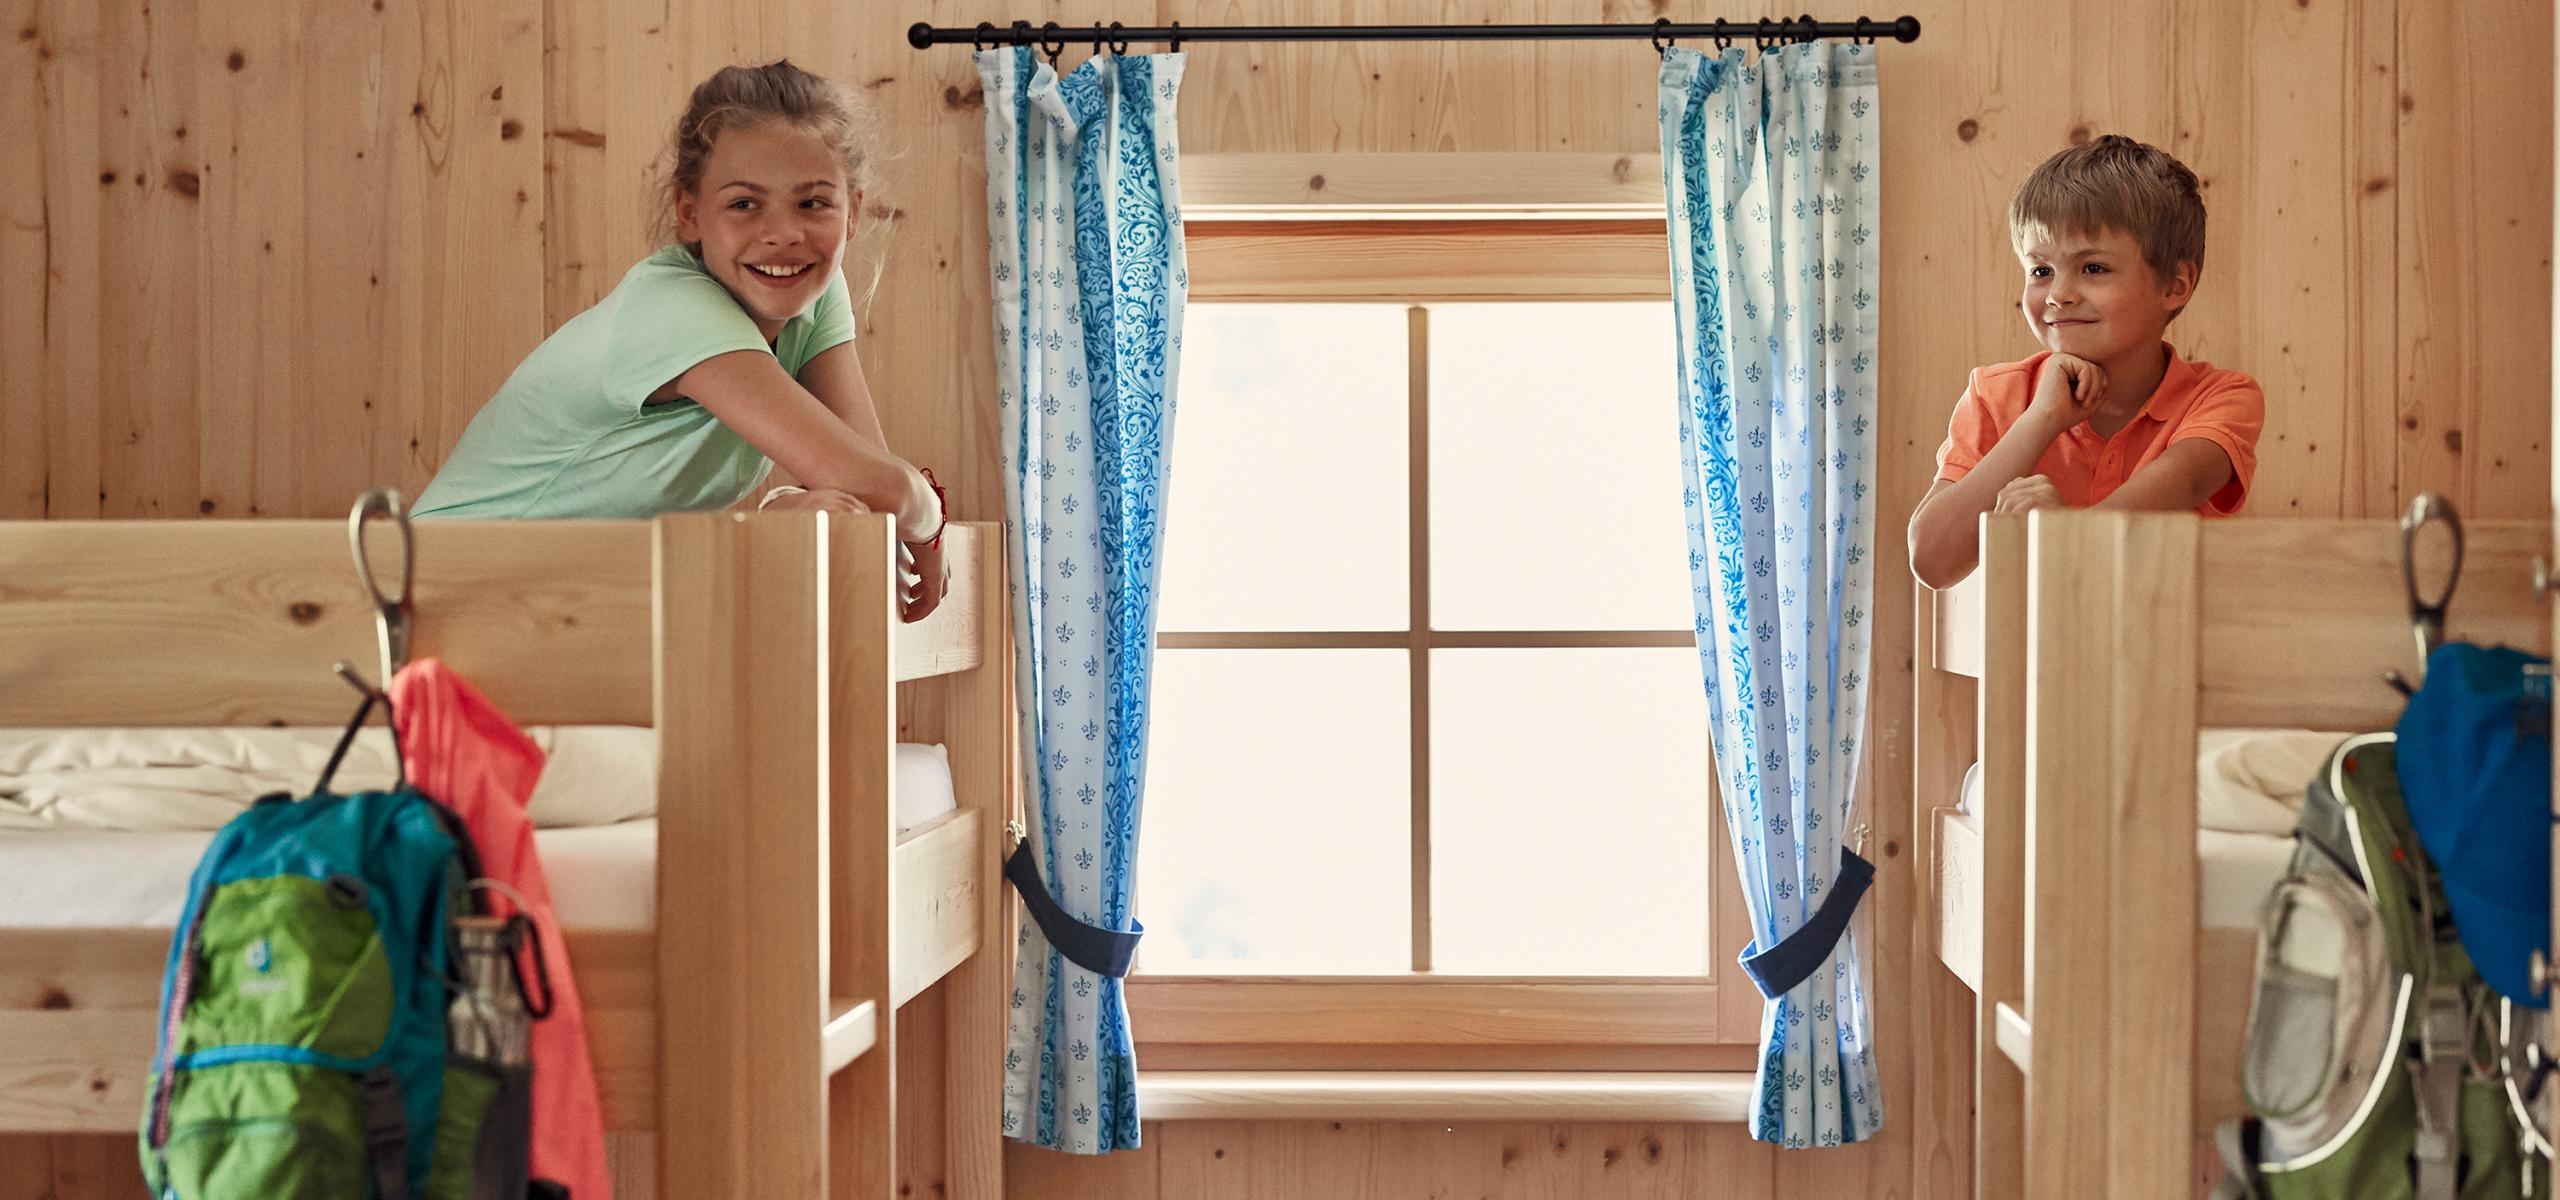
column 2028, row 493
column 922, row 578
column 2069, row 389
column 816, row 500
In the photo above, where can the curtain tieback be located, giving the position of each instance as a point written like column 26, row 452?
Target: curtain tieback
column 1105, row 952
column 1778, row 969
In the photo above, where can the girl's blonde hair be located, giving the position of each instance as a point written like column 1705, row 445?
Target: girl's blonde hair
column 740, row 97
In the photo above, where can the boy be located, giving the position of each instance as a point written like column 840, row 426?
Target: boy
column 2111, row 235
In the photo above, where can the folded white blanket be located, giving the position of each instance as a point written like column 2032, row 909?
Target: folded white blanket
column 200, row 778
column 2247, row 780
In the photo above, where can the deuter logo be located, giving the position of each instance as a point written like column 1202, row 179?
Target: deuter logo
column 261, row 958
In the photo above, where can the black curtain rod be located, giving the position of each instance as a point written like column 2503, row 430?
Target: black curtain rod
column 1055, row 37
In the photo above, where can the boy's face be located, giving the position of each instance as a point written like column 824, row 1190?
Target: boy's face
column 771, row 217
column 2091, row 295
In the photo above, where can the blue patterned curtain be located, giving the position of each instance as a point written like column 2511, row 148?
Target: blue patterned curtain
column 1085, row 233
column 1770, row 170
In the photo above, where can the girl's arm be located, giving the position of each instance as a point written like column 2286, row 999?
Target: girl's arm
column 835, row 378
column 751, row 394
column 2185, row 475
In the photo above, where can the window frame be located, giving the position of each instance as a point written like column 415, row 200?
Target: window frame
column 1421, row 1021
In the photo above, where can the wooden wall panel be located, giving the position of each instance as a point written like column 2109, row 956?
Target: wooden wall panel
column 2475, row 111
column 252, row 319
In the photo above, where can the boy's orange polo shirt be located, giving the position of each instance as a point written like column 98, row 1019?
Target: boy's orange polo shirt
column 2194, row 400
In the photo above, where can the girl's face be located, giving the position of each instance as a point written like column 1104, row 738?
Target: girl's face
column 771, row 215
column 2093, row 295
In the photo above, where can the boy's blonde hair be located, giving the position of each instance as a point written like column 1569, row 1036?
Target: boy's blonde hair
column 738, row 97
column 2115, row 182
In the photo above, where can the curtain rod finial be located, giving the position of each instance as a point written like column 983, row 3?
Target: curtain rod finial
column 920, row 35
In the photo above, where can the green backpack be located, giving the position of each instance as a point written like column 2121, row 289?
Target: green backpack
column 2371, row 1063
column 303, row 1047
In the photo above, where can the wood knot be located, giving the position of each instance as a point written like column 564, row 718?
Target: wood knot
column 1315, row 183
column 2079, row 135
column 53, row 998
column 236, row 61
column 303, row 612
column 204, row 506
column 1968, row 129
column 510, row 131
column 185, row 183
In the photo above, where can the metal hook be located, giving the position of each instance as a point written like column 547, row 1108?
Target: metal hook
column 1119, row 40
column 1173, row 43
column 391, row 614
column 983, row 37
column 1866, row 34
column 2426, row 619
column 1662, row 36
column 1723, row 42
column 1052, row 43
column 1765, row 40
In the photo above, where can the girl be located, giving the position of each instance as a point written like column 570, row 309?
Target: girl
column 727, row 351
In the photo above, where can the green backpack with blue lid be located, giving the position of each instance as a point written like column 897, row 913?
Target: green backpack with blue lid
column 310, row 1007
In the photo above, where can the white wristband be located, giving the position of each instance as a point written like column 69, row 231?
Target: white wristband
column 776, row 494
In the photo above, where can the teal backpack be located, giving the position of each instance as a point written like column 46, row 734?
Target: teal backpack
column 303, row 1045
column 2371, row 1062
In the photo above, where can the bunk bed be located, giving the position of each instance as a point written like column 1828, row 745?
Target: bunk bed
column 750, row 1015
column 2075, row 672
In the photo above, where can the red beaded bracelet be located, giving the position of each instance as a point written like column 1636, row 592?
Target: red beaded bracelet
column 942, row 501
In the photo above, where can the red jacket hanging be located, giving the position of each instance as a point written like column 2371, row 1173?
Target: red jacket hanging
column 465, row 753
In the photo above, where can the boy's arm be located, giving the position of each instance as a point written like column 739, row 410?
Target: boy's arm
column 1943, row 528
column 2185, row 475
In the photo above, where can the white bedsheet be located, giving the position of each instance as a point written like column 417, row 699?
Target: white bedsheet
column 602, row 876
column 2249, row 788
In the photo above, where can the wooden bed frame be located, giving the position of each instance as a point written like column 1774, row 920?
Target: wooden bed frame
column 2076, row 665
column 756, row 1027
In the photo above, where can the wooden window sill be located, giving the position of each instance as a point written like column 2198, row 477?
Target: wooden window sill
column 1706, row 1097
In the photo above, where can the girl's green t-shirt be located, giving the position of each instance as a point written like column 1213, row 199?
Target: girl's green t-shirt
column 571, row 432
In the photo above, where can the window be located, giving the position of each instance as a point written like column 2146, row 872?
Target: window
column 1428, row 779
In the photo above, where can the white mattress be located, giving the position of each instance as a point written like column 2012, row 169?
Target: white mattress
column 2249, row 785
column 602, row 876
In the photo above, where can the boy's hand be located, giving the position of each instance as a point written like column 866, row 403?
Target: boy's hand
column 2028, row 493
column 2069, row 389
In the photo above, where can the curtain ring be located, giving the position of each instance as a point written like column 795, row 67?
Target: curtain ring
column 1020, row 31
column 1722, row 42
column 1119, row 40
column 1662, row 36
column 1764, row 40
column 1173, row 39
column 1052, row 43
column 1812, row 30
column 1865, row 36
column 1099, row 42
column 983, row 37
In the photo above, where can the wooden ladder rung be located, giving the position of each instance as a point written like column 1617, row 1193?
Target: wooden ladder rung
column 2016, row 1036
column 852, row 1026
